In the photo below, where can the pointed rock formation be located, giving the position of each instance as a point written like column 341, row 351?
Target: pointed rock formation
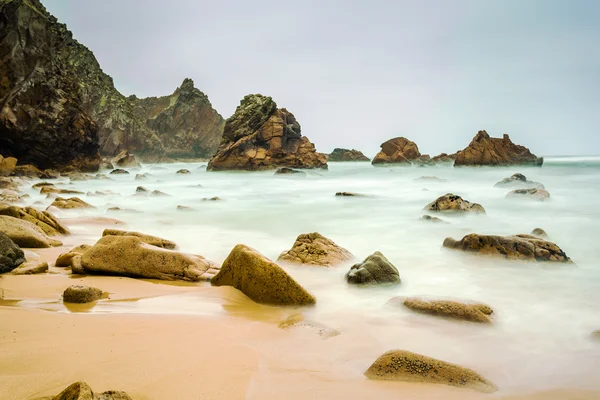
column 347, row 155
column 485, row 150
column 397, row 151
column 315, row 249
column 260, row 136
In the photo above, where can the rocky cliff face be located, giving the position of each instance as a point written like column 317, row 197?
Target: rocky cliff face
column 260, row 136
column 485, row 150
column 57, row 105
column 347, row 155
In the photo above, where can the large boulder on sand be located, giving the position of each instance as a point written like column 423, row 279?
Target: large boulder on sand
column 375, row 269
column 11, row 255
column 347, row 155
column 260, row 279
column 70, row 203
column 485, row 150
column 530, row 194
column 518, row 247
column 474, row 312
column 25, row 234
column 402, row 365
column 260, row 136
column 130, row 256
column 148, row 239
column 518, row 181
column 82, row 391
column 43, row 219
column 81, row 294
column 397, row 151
column 315, row 249
column 454, row 203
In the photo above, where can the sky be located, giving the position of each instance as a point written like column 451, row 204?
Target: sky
column 356, row 73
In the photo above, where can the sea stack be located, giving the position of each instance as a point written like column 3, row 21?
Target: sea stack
column 398, row 150
column 486, row 150
column 260, row 136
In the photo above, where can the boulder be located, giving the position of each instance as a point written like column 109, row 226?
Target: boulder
column 25, row 234
column 11, row 255
column 260, row 279
column 158, row 193
column 259, row 136
column 350, row 194
column 148, row 239
column 81, row 294
column 474, row 312
column 65, row 259
column 184, row 208
column 52, row 189
column 70, row 203
column 517, row 247
column 43, row 219
column 82, row 391
column 531, row 194
column 402, row 365
column 347, row 155
column 7, row 165
column 432, row 219
column 183, row 171
column 119, row 171
column 375, row 269
column 130, row 256
column 518, row 181
column 139, row 177
column 315, row 249
column 485, row 150
column 297, row 323
column 126, row 160
column 453, row 203
column 141, row 190
column 397, row 151
column 539, row 232
column 31, row 268
column 289, row 171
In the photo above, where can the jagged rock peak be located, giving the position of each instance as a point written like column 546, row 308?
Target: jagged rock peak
column 486, row 150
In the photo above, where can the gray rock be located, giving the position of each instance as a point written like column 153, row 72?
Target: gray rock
column 375, row 269
column 11, row 255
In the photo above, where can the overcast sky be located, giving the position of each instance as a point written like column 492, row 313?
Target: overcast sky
column 356, row 73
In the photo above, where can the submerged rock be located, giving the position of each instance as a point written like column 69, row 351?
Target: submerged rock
column 289, row 171
column 260, row 279
column 183, row 172
column 539, row 232
column 25, row 234
column 520, row 181
column 347, row 155
column 148, row 239
column 518, row 247
column 397, row 151
column 158, row 193
column 139, row 177
column 402, row 365
column 315, row 249
column 70, row 203
column 533, row 194
column 474, row 312
column 485, row 150
column 119, row 171
column 297, row 322
column 43, row 219
column 184, row 208
column 375, row 269
column 453, row 203
column 81, row 294
column 11, row 255
column 430, row 179
column 259, row 136
column 432, row 219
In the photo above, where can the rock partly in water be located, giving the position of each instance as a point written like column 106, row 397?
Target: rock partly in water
column 518, row 247
column 289, row 171
column 539, row 232
column 11, row 255
column 65, row 259
column 70, row 203
column 119, row 171
column 25, row 234
column 518, row 181
column 444, row 158
column 126, row 160
column 52, row 189
column 184, row 208
column 375, row 269
column 260, row 279
column 432, row 219
column 158, row 193
column 402, row 365
column 453, row 203
column 298, row 323
column 347, row 155
column 82, row 391
column 215, row 198
column 81, row 294
column 485, row 150
column 397, row 151
column 130, row 256
column 183, row 171
column 139, row 177
column 350, row 194
column 148, row 239
column 31, row 268
column 259, row 136
column 315, row 249
column 430, row 179
column 474, row 312
column 43, row 219
column 531, row 194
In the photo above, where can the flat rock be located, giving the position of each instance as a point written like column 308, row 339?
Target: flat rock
column 350, row 194
column 260, row 279
column 26, row 234
column 474, row 312
column 297, row 323
column 518, row 181
column 53, row 189
column 43, row 219
column 11, row 255
column 402, row 365
column 31, row 267
column 183, row 171
column 398, row 150
column 375, row 269
column 532, row 194
column 148, row 239
column 289, row 171
column 485, row 150
column 454, row 203
column 517, row 247
column 315, row 249
column 41, row 184
column 184, row 208
column 81, row 294
column 70, row 203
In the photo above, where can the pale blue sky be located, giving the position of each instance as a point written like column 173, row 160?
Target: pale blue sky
column 356, row 73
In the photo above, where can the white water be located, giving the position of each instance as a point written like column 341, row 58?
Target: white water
column 544, row 314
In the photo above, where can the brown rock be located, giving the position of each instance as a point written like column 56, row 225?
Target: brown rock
column 402, row 365
column 397, row 151
column 453, row 203
column 159, row 193
column 184, row 208
column 65, row 259
column 119, row 171
column 82, row 391
column 259, row 136
column 148, row 239
column 51, row 189
column 70, row 203
column 260, row 279
column 375, row 269
column 347, row 155
column 315, row 249
column 518, row 247
column 28, row 171
column 444, row 158
column 183, row 171
column 25, row 234
column 139, row 177
column 41, row 184
column 485, row 150
column 297, row 322
column 31, row 267
column 289, row 171
column 473, row 312
column 532, row 194
column 43, row 219
column 126, row 160
column 7, row 165
column 81, row 294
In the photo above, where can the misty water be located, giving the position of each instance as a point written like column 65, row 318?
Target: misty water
column 543, row 313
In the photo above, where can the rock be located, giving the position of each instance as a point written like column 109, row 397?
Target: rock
column 28, row 171
column 41, row 185
column 141, row 189
column 183, row 172
column 139, row 177
column 596, row 335
column 106, row 164
column 82, row 391
column 474, row 312
column 211, row 198
column 131, row 210
column 148, row 239
column 444, row 158
column 31, row 267
column 402, row 365
column 289, row 171
column 126, row 160
column 453, row 203
column 350, row 194
column 25, row 234
column 259, row 136
column 260, row 279
column 375, row 269
column 519, row 181
column 70, row 203
column 7, row 165
column 52, row 189
column 297, row 322
column 432, row 219
column 65, row 259
column 533, row 194
column 347, row 155
column 43, row 219
column 81, row 294
column 423, row 160
column 10, row 196
column 119, row 171
column 430, row 179
column 184, row 208
column 130, row 256
column 102, row 193
column 158, row 193
column 315, row 249
column 9, row 183
column 539, row 232
column 521, row 247
column 397, row 151
column 11, row 255
column 485, row 150
column 77, row 266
